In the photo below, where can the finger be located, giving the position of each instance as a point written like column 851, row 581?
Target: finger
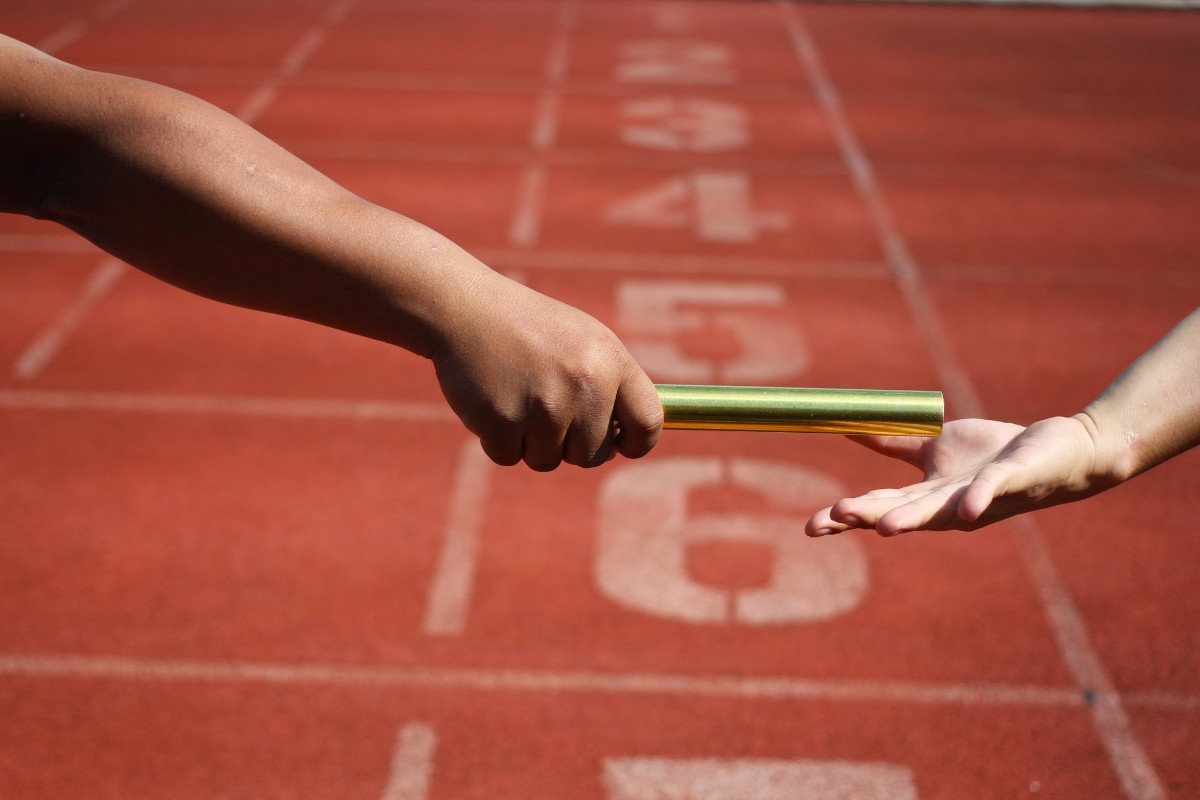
column 934, row 510
column 990, row 483
column 589, row 441
column 921, row 500
column 821, row 524
column 544, row 445
column 864, row 510
column 639, row 416
column 504, row 449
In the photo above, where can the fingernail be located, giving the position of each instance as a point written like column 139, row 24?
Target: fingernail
column 824, row 531
column 852, row 521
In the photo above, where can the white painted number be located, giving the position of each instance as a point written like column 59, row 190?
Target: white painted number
column 645, row 530
column 716, row 204
column 754, row 779
column 657, row 318
column 688, row 124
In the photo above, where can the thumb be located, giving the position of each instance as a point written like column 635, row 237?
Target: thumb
column 638, row 413
column 989, row 482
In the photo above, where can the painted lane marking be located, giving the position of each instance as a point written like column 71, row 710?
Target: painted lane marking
column 412, row 763
column 450, row 591
column 754, row 779
column 66, row 35
column 73, row 31
column 283, row 408
column 652, row 263
column 525, row 227
column 42, row 350
column 527, row 212
column 507, row 680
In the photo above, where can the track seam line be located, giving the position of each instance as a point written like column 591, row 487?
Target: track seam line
column 515, row 680
column 1126, row 756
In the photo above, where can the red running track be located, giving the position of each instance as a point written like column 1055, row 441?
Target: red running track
column 244, row 557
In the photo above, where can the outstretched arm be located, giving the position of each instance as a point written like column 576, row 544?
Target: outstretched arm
column 980, row 471
column 190, row 194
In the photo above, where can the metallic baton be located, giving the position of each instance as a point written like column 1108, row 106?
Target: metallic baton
column 771, row 408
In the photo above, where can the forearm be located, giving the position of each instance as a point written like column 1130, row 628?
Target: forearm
column 1152, row 411
column 188, row 193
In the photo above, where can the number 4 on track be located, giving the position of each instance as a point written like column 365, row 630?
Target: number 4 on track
column 715, row 204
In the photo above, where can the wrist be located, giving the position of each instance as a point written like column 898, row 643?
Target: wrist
column 1114, row 458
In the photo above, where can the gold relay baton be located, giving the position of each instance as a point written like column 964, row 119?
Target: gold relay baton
column 801, row 410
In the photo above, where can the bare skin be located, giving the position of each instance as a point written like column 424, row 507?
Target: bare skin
column 190, row 194
column 981, row 471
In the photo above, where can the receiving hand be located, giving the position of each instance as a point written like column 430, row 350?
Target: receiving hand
column 976, row 473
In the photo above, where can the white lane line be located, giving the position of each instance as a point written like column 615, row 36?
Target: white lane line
column 525, row 228
column 42, row 350
column 1094, row 276
column 68, row 34
column 73, row 31
column 111, row 9
column 257, row 102
column 453, row 581
column 560, row 49
column 283, row 408
column 527, row 215
column 303, row 50
column 575, row 156
column 1128, row 759
column 412, row 763
column 716, row 266
column 293, row 61
column 545, row 123
column 728, row 265
column 515, row 258
column 1169, row 701
column 508, row 680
